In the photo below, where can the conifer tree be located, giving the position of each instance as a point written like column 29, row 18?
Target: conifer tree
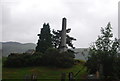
column 57, row 38
column 45, row 40
column 103, row 53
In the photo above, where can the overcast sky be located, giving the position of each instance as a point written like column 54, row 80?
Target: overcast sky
column 23, row 19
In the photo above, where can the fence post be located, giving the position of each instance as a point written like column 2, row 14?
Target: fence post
column 34, row 78
column 71, row 76
column 30, row 78
column 27, row 78
column 63, row 76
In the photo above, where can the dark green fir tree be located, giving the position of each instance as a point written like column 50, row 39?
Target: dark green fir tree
column 57, row 38
column 45, row 40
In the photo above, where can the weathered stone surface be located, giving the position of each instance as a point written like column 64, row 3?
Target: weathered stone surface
column 63, row 46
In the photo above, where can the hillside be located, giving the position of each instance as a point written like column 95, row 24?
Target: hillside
column 43, row 73
column 79, row 54
column 16, row 47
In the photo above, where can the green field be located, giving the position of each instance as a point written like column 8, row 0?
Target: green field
column 42, row 72
column 0, row 67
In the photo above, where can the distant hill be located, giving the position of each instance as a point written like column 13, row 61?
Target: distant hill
column 79, row 54
column 16, row 47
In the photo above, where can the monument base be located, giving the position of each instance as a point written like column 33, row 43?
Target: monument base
column 63, row 48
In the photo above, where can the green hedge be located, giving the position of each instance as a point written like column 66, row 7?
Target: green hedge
column 52, row 57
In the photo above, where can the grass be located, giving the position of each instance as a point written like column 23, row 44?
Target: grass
column 0, row 67
column 42, row 72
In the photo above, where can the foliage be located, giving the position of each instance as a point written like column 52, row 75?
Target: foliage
column 103, row 54
column 42, row 72
column 23, row 60
column 52, row 57
column 45, row 39
column 79, row 61
column 57, row 38
column 48, row 40
column 45, row 53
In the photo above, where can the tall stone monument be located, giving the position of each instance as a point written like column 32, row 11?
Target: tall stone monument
column 63, row 46
column 119, row 25
column 119, row 19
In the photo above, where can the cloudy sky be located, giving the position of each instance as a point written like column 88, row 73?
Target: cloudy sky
column 23, row 19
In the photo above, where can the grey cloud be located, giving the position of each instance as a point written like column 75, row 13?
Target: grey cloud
column 22, row 22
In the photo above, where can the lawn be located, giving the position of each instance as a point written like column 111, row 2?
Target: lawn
column 41, row 72
column 0, row 67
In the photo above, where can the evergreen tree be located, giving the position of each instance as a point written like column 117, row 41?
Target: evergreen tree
column 103, row 53
column 57, row 38
column 45, row 40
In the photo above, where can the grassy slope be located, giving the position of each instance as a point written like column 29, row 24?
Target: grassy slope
column 0, row 68
column 41, row 72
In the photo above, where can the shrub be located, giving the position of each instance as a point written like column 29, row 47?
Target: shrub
column 52, row 57
column 23, row 60
column 14, row 60
column 64, row 60
column 78, row 61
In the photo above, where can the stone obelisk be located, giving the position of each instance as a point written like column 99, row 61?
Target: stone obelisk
column 63, row 46
column 119, row 19
column 119, row 25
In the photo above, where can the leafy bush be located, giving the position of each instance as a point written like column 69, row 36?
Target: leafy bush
column 14, row 60
column 103, row 55
column 23, row 60
column 78, row 61
column 52, row 57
